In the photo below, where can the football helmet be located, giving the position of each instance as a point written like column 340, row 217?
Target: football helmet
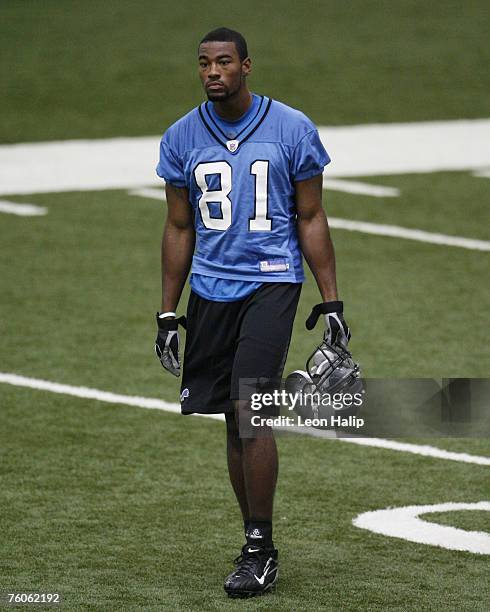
column 331, row 379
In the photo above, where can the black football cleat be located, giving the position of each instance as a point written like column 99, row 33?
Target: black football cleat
column 255, row 574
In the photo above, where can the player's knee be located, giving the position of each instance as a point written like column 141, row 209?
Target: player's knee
column 241, row 412
column 251, row 425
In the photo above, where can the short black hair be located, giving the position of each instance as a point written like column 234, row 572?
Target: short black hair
column 227, row 35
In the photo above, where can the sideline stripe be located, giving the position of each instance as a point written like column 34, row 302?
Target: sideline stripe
column 157, row 404
column 405, row 447
column 395, row 231
column 419, row 449
column 88, row 393
column 357, row 151
column 377, row 191
column 392, row 231
column 150, row 192
column 482, row 173
column 22, row 210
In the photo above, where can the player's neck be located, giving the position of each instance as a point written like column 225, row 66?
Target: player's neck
column 236, row 106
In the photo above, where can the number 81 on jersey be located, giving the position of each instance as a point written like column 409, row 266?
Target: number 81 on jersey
column 258, row 169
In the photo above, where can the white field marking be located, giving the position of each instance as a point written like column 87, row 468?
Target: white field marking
column 395, row 231
column 482, row 173
column 405, row 523
column 157, row 404
column 419, row 449
column 404, row 447
column 150, row 192
column 357, row 150
column 406, row 148
column 95, row 394
column 22, row 210
column 377, row 191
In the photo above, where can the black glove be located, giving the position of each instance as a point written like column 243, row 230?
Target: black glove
column 336, row 329
column 167, row 343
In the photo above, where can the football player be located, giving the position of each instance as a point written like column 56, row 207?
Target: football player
column 243, row 181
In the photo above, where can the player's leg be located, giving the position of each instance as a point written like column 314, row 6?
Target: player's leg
column 265, row 330
column 235, row 465
column 260, row 467
column 265, row 333
column 212, row 333
column 252, row 466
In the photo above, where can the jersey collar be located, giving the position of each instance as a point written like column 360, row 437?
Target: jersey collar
column 216, row 132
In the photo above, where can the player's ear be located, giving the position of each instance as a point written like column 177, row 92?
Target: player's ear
column 246, row 66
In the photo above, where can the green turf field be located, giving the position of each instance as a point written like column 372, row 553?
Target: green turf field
column 87, row 69
column 112, row 507
column 121, row 508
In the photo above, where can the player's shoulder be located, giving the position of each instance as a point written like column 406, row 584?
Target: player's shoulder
column 177, row 134
column 290, row 114
column 294, row 122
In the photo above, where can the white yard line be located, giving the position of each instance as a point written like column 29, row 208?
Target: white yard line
column 158, row 404
column 419, row 449
column 406, row 148
column 155, row 193
column 482, row 173
column 404, row 447
column 395, row 231
column 22, row 210
column 356, row 151
column 94, row 394
column 377, row 191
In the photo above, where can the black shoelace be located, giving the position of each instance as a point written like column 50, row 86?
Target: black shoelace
column 247, row 562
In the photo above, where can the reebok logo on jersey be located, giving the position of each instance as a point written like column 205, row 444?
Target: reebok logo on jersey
column 274, row 265
column 184, row 394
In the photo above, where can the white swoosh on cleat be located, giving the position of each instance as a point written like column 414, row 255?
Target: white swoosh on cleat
column 266, row 571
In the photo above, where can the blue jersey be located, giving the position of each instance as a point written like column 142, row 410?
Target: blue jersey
column 241, row 187
column 210, row 287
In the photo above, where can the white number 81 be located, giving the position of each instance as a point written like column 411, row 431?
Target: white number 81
column 259, row 222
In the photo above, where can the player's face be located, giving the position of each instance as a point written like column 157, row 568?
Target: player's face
column 221, row 71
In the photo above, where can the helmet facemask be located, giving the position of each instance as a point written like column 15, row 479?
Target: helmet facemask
column 331, row 373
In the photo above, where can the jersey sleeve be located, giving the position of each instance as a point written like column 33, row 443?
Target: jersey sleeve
column 309, row 157
column 170, row 166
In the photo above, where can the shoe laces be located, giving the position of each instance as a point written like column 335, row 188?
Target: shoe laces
column 247, row 561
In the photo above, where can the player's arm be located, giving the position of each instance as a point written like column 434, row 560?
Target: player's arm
column 314, row 236
column 177, row 246
column 317, row 247
column 177, row 249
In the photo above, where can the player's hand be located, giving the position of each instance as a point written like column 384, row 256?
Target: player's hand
column 167, row 343
column 337, row 331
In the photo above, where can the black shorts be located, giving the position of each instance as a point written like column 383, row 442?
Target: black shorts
column 230, row 341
